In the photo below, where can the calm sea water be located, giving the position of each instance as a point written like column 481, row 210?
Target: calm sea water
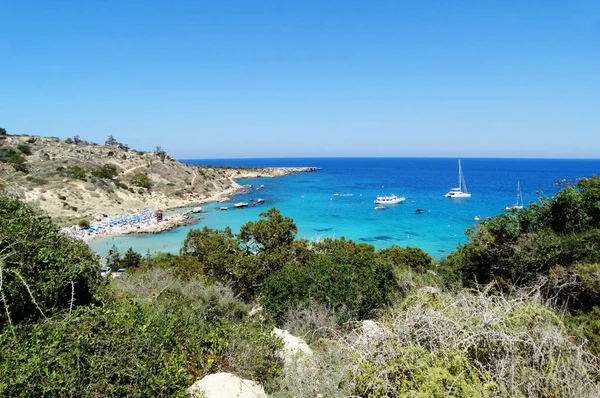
column 309, row 199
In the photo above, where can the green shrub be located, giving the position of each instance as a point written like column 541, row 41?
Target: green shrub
column 9, row 155
column 585, row 326
column 141, row 180
column 42, row 270
column 36, row 180
column 408, row 257
column 77, row 172
column 108, row 171
column 83, row 224
column 24, row 148
column 120, row 184
column 353, row 289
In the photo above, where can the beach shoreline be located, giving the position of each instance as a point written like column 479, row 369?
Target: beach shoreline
column 104, row 228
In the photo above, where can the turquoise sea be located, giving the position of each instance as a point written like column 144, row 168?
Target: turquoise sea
column 309, row 199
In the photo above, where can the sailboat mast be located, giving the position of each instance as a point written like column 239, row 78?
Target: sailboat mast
column 459, row 176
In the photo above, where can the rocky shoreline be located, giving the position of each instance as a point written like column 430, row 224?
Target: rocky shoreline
column 175, row 220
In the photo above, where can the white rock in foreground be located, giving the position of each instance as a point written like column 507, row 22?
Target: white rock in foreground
column 292, row 346
column 226, row 385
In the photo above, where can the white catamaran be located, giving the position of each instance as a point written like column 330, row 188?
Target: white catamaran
column 461, row 191
column 519, row 204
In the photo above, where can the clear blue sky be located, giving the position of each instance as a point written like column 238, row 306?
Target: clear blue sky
column 307, row 78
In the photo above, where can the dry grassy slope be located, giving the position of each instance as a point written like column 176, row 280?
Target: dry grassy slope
column 174, row 184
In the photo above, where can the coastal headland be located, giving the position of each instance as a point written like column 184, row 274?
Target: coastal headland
column 74, row 180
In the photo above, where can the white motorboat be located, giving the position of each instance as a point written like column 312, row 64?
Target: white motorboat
column 519, row 204
column 389, row 200
column 240, row 204
column 379, row 207
column 224, row 208
column 461, row 191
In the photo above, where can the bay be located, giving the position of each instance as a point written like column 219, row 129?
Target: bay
column 309, row 198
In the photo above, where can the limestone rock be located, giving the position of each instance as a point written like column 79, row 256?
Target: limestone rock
column 429, row 290
column 293, row 347
column 226, row 385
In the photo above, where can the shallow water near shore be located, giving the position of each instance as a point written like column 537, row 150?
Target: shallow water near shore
column 309, row 199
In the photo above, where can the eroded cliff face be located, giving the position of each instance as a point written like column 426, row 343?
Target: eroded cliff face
column 62, row 178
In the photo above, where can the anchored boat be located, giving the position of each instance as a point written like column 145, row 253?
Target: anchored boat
column 382, row 200
column 461, row 191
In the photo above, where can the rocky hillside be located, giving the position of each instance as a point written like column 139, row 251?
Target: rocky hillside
column 74, row 179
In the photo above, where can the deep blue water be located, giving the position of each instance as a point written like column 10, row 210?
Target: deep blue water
column 309, row 198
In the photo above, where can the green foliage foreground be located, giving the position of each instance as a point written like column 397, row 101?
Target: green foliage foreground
column 155, row 331
column 42, row 272
column 155, row 337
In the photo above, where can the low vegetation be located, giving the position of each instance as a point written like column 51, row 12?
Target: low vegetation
column 513, row 312
column 141, row 180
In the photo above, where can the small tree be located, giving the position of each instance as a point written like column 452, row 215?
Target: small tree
column 2, row 131
column 113, row 259
column 160, row 153
column 77, row 140
column 111, row 141
column 131, row 259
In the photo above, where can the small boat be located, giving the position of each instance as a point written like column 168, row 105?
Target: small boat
column 419, row 211
column 379, row 207
column 240, row 205
column 224, row 208
column 261, row 200
column 251, row 199
column 461, row 191
column 336, row 194
column 519, row 204
column 477, row 219
column 262, row 187
column 389, row 199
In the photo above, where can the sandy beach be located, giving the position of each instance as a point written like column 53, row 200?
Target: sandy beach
column 144, row 221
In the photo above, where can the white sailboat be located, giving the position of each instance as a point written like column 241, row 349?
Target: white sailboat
column 519, row 204
column 461, row 191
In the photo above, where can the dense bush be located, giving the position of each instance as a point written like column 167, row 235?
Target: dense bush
column 24, row 148
column 407, row 257
column 43, row 272
column 141, row 180
column 353, row 286
column 108, row 171
column 78, row 173
column 155, row 338
column 9, row 155
column 245, row 260
column 83, row 224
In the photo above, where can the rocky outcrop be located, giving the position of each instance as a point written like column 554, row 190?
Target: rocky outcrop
column 294, row 348
column 225, row 385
